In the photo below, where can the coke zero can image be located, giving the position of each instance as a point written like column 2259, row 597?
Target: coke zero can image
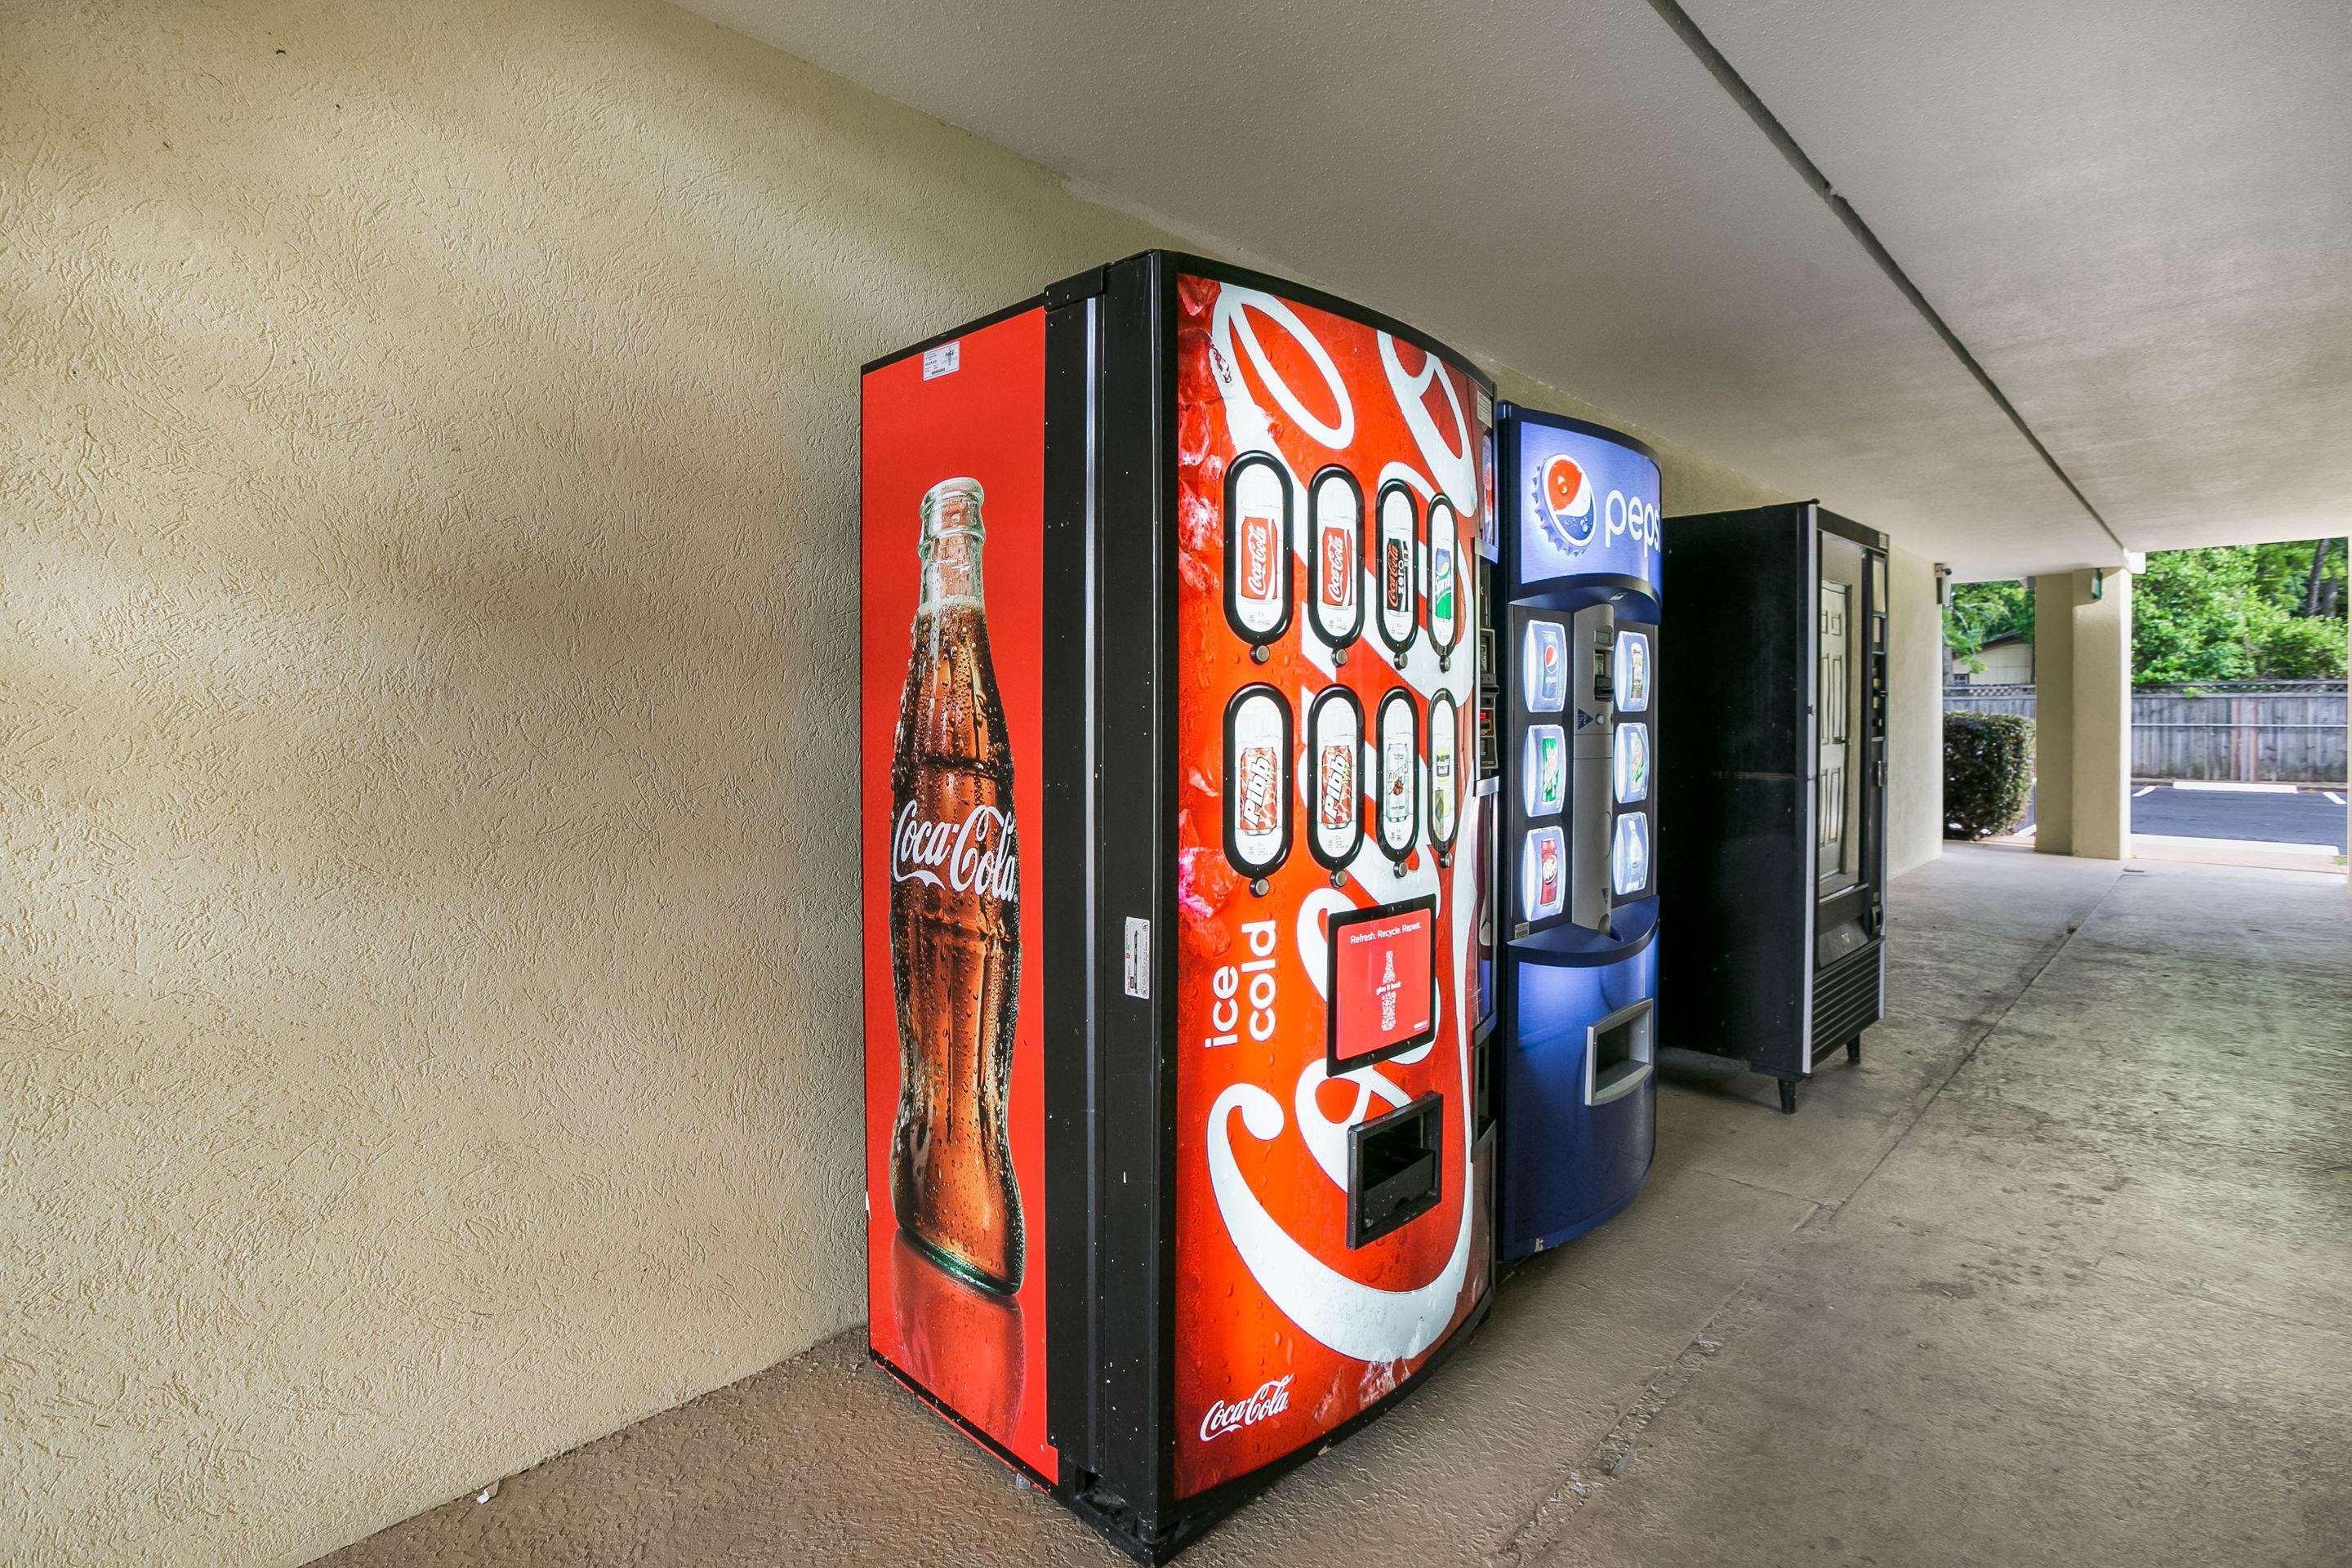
column 955, row 916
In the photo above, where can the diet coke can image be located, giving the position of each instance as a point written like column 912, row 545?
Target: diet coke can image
column 955, row 916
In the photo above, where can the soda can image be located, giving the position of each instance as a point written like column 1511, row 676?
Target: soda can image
column 1257, row 558
column 1543, row 665
column 1399, row 826
column 1543, row 878
column 1546, row 770
column 1445, row 587
column 1258, row 808
column 1400, row 517
column 1444, row 719
column 1335, row 738
column 1339, row 574
column 1257, row 780
column 1632, row 763
column 1335, row 788
column 1335, row 510
column 1257, row 547
column 1632, row 671
column 1629, row 856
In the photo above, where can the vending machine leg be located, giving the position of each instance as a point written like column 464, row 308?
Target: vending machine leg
column 1854, row 1049
column 1788, row 1096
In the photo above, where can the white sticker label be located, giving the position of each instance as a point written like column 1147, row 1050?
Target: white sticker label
column 944, row 359
column 1139, row 958
column 1485, row 407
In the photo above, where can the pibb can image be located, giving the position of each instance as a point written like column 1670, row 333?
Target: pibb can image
column 1336, row 795
column 955, row 916
column 1260, row 791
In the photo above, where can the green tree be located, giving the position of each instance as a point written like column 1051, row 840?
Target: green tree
column 1980, row 612
column 2240, row 612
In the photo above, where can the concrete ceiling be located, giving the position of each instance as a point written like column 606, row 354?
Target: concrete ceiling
column 2136, row 215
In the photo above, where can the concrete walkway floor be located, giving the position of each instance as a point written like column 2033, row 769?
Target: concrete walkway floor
column 2060, row 1274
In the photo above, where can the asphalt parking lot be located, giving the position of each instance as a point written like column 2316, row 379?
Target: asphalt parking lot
column 2303, row 816
column 2267, row 816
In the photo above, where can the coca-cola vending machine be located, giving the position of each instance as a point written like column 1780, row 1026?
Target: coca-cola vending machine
column 1178, row 768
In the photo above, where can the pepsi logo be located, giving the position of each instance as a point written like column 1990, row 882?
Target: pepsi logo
column 1563, row 502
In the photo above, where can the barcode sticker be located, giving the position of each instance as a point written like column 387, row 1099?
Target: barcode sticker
column 1485, row 407
column 944, row 359
column 1139, row 958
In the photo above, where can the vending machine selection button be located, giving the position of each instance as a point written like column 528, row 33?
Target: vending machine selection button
column 1633, row 763
column 1632, row 671
column 1628, row 856
column 1543, row 874
column 1546, row 770
column 1544, row 667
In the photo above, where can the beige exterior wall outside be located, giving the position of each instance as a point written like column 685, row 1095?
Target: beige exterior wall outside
column 2082, row 755
column 2011, row 663
column 1914, row 717
column 430, row 441
column 2103, row 716
column 2053, row 714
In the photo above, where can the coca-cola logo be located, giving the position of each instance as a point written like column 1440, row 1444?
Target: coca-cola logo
column 1336, row 573
column 1400, row 588
column 1272, row 1398
column 1257, row 556
column 974, row 855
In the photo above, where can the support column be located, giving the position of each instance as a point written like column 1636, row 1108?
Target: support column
column 2082, row 755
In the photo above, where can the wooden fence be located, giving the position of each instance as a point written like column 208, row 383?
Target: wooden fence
column 2268, row 732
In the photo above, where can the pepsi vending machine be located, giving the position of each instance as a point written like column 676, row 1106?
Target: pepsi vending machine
column 1178, row 1166
column 1576, row 1095
column 1778, row 745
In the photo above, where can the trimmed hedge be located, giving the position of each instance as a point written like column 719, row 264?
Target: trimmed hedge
column 1988, row 770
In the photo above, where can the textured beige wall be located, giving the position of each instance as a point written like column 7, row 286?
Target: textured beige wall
column 2103, row 716
column 1915, row 713
column 2082, row 736
column 427, row 460
column 2053, row 713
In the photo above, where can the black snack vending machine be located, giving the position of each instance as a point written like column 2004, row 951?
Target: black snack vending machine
column 1772, row 775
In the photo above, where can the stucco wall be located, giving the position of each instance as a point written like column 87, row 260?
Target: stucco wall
column 430, row 1020
column 1915, row 713
column 429, row 439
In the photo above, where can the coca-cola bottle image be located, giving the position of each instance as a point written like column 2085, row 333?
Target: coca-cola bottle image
column 955, row 918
